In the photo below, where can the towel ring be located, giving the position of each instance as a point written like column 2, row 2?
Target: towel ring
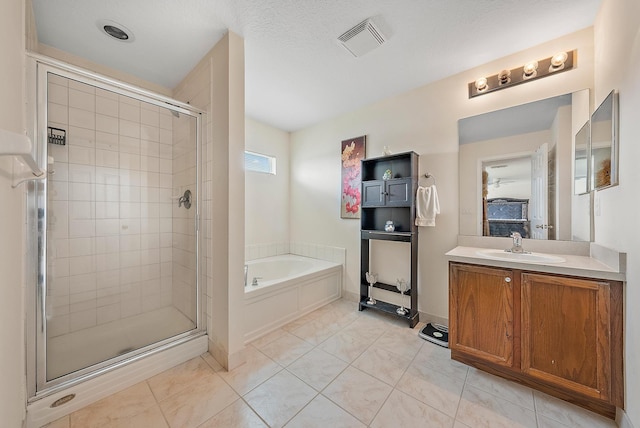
column 427, row 176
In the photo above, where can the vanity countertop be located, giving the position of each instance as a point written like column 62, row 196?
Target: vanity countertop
column 574, row 265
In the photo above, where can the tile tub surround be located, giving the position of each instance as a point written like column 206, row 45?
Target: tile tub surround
column 344, row 371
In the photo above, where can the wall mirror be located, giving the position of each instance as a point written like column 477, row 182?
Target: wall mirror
column 604, row 143
column 581, row 181
column 516, row 171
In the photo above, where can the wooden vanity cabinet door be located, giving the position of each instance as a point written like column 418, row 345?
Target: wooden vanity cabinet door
column 481, row 312
column 567, row 334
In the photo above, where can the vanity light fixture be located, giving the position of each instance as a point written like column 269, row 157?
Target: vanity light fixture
column 560, row 62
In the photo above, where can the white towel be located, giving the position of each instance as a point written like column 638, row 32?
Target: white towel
column 427, row 206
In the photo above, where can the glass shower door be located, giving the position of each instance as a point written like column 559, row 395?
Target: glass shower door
column 121, row 237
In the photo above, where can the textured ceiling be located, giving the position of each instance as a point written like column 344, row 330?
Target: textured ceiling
column 296, row 73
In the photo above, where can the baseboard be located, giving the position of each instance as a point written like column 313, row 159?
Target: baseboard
column 622, row 419
column 40, row 412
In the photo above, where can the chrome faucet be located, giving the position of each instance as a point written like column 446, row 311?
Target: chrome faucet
column 255, row 281
column 517, row 243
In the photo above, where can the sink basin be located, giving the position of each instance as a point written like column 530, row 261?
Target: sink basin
column 519, row 257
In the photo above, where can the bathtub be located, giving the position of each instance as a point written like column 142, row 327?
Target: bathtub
column 289, row 286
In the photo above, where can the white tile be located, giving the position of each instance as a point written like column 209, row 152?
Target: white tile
column 57, row 94
column 106, row 227
column 81, row 137
column 166, row 136
column 82, row 118
column 82, row 100
column 105, row 210
column 82, row 173
column 81, row 265
column 481, row 409
column 81, row 210
column 108, row 313
column 82, row 228
column 107, row 262
column 58, row 113
column 129, row 210
column 106, row 141
column 149, row 148
column 107, row 124
column 106, row 192
column 82, row 320
column 82, row 155
column 107, row 244
column 106, row 106
column 80, row 191
column 107, row 158
column 81, row 247
column 149, row 117
column 129, row 129
column 129, row 161
column 130, row 242
column 106, row 175
column 150, row 133
column 129, row 145
column 82, row 283
column 59, row 153
column 73, row 84
column 129, row 112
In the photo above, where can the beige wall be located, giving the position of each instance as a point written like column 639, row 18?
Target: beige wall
column 267, row 196
column 423, row 120
column 12, row 114
column 617, row 51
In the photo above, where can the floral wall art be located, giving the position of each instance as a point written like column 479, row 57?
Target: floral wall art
column 353, row 151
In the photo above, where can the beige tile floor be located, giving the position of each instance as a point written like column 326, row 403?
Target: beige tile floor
column 335, row 367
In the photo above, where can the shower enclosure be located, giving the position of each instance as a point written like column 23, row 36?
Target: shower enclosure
column 116, row 225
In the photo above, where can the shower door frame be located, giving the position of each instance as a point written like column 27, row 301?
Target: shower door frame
column 38, row 68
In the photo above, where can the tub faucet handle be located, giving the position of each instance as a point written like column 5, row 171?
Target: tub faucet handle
column 255, row 280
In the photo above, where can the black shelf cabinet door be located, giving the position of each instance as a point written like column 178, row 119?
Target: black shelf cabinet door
column 398, row 192
column 373, row 193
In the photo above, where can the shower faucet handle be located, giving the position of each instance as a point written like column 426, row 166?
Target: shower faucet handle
column 185, row 199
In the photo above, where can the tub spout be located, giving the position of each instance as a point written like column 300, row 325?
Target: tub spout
column 255, row 281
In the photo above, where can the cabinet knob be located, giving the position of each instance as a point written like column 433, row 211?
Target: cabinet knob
column 507, row 279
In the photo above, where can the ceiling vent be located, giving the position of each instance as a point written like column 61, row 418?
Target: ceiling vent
column 362, row 38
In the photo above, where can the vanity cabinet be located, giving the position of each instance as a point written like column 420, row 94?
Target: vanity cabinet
column 482, row 313
column 558, row 334
column 384, row 200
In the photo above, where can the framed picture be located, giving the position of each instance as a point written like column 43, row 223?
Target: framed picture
column 353, row 151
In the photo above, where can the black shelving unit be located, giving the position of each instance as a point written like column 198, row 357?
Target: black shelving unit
column 391, row 199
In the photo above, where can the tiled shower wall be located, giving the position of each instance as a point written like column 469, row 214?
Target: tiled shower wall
column 110, row 209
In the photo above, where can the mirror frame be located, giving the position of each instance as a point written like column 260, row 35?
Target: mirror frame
column 609, row 103
column 583, row 133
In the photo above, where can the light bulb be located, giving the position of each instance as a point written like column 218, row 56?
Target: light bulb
column 558, row 59
column 481, row 84
column 504, row 77
column 530, row 69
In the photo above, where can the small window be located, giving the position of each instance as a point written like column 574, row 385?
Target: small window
column 259, row 163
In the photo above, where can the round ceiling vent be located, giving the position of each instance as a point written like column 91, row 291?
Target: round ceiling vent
column 115, row 30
